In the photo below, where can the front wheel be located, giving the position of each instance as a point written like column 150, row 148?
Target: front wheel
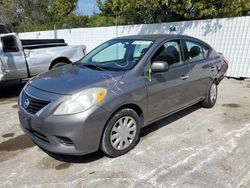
column 211, row 97
column 121, row 133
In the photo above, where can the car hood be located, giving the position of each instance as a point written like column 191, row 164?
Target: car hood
column 72, row 78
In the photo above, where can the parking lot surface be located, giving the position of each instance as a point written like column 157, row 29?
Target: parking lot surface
column 196, row 147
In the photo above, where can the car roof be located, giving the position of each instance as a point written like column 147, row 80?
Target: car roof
column 149, row 37
column 161, row 37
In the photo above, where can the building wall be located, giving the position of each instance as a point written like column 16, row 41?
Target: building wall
column 230, row 36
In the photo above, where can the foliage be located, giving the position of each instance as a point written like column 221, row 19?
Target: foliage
column 63, row 8
column 153, row 11
column 8, row 13
column 73, row 21
column 33, row 15
column 98, row 20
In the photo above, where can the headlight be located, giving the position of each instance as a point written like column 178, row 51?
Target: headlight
column 81, row 101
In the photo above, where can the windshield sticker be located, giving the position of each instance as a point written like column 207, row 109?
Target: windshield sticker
column 142, row 42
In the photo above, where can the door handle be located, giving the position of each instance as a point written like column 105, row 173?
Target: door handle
column 184, row 77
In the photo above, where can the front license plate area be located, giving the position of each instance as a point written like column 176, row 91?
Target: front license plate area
column 26, row 122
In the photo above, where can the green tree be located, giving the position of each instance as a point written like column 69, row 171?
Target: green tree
column 8, row 13
column 33, row 15
column 73, row 21
column 154, row 11
column 194, row 9
column 63, row 8
column 131, row 12
column 98, row 20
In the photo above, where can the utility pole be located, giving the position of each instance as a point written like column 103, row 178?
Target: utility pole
column 54, row 24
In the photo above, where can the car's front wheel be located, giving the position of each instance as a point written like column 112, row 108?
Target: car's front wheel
column 211, row 97
column 121, row 133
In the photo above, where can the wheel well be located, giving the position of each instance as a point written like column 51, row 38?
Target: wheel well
column 58, row 60
column 134, row 107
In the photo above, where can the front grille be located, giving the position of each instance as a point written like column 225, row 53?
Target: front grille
column 33, row 105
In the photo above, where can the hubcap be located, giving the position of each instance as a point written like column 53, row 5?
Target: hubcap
column 213, row 92
column 123, row 133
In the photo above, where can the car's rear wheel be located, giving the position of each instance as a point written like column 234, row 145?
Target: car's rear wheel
column 211, row 97
column 121, row 133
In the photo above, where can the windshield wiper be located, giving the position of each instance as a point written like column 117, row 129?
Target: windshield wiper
column 110, row 68
column 99, row 67
column 92, row 66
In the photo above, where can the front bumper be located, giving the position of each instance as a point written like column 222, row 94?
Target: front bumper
column 77, row 134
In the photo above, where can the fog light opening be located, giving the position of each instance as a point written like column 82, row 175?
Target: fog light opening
column 65, row 141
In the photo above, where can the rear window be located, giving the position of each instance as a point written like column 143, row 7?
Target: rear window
column 9, row 44
column 196, row 51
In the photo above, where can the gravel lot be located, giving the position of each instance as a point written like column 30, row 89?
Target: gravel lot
column 196, row 147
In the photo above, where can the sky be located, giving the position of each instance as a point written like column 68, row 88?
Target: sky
column 86, row 7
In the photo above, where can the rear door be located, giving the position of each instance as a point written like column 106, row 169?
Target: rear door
column 202, row 69
column 167, row 91
column 12, row 57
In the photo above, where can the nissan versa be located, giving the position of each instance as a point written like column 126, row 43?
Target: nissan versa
column 124, row 84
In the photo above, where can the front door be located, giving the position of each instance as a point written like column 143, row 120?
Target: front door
column 167, row 91
column 12, row 57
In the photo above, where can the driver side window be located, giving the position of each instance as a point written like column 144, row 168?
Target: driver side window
column 196, row 51
column 170, row 52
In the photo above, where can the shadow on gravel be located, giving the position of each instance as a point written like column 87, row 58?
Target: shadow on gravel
column 10, row 94
column 144, row 132
column 166, row 121
column 77, row 159
column 18, row 143
column 13, row 146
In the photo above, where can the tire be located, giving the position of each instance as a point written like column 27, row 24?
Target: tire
column 124, row 139
column 211, row 97
column 59, row 64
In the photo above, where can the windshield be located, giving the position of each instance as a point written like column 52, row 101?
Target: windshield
column 118, row 54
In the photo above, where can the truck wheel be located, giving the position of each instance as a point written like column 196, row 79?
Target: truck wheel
column 59, row 64
column 121, row 133
column 211, row 97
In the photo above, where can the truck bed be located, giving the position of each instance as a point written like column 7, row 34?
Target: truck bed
column 42, row 43
column 35, row 43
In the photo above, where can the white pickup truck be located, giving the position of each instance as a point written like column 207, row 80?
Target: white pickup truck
column 23, row 59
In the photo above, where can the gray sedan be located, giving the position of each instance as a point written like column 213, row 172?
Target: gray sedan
column 104, row 100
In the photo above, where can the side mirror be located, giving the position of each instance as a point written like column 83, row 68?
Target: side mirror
column 159, row 66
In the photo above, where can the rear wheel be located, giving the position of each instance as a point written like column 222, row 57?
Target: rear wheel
column 211, row 97
column 59, row 64
column 121, row 133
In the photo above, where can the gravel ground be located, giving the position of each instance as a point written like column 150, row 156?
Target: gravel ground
column 196, row 147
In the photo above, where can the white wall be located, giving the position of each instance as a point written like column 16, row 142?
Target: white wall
column 231, row 36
